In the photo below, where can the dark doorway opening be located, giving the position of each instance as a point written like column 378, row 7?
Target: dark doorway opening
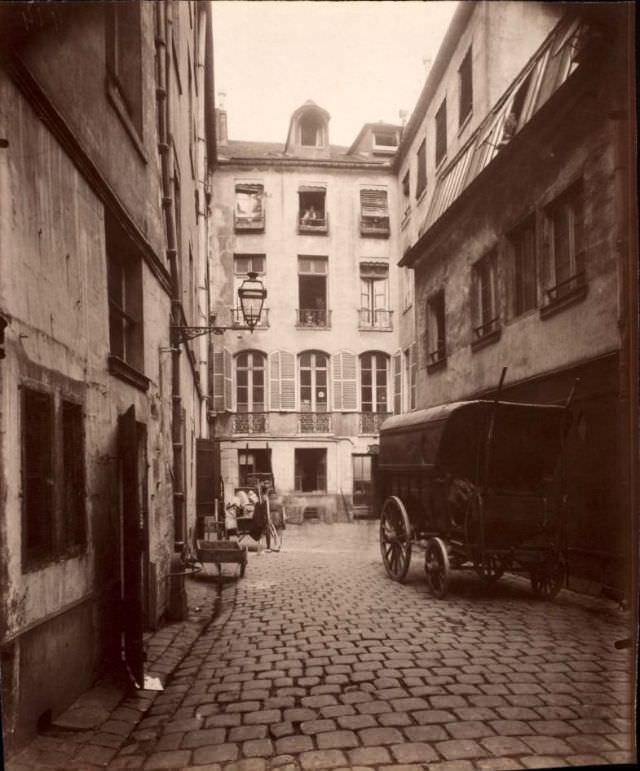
column 311, row 470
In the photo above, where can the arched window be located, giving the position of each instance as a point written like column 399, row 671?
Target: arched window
column 374, row 376
column 314, row 381
column 250, row 381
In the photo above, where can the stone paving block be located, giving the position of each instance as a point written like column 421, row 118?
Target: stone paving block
column 369, row 756
column 587, row 743
column 542, row 761
column 372, row 707
column 505, row 745
column 311, row 727
column 495, row 764
column 278, row 730
column 433, row 716
column 244, row 733
column 354, row 722
column 547, row 745
column 336, row 740
column 219, row 753
column 451, row 765
column 261, row 748
column 320, row 760
column 510, row 727
column 414, row 752
column 182, row 726
column 468, row 729
column 410, row 704
column 382, row 736
column 263, row 716
column 459, row 749
column 167, row 760
column 96, row 755
column 293, row 745
column 447, row 702
column 297, row 715
column 324, row 700
column 426, row 733
column 205, row 736
column 169, row 742
column 127, row 761
column 337, row 710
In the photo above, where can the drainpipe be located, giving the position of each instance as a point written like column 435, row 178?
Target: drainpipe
column 163, row 93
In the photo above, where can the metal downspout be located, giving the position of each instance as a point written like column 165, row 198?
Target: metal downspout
column 163, row 50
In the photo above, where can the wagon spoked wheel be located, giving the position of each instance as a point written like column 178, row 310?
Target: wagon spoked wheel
column 436, row 567
column 395, row 538
column 490, row 569
column 547, row 579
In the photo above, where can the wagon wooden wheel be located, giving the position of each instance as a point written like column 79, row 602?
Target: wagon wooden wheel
column 436, row 567
column 547, row 578
column 395, row 538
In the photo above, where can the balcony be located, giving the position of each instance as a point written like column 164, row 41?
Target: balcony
column 486, row 333
column 314, row 423
column 370, row 422
column 318, row 224
column 249, row 423
column 249, row 223
column 237, row 319
column 375, row 319
column 313, row 318
column 374, row 225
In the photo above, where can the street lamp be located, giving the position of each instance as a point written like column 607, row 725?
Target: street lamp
column 251, row 294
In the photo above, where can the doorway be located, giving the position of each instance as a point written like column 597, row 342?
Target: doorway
column 310, row 470
column 362, row 484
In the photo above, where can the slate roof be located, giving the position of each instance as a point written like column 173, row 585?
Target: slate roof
column 265, row 151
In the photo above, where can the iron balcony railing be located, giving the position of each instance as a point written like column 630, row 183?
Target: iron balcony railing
column 370, row 422
column 314, row 422
column 375, row 319
column 250, row 423
column 488, row 328
column 317, row 224
column 566, row 287
column 313, row 317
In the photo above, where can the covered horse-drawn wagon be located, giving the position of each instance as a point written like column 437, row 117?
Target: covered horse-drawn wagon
column 478, row 485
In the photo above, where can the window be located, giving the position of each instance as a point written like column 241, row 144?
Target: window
column 38, row 532
column 53, row 483
column 124, row 275
column 406, row 278
column 406, row 185
column 124, row 64
column 374, row 368
column 249, row 209
column 397, row 383
column 374, row 296
column 314, row 374
column 250, row 382
column 311, row 130
column 310, row 470
column 410, row 368
column 243, row 264
column 465, row 77
column 441, row 133
column 515, row 111
column 564, row 247
column 436, row 334
column 253, row 465
column 384, row 142
column 374, row 213
column 421, row 169
column 312, row 215
column 486, row 315
column 312, row 292
column 525, row 288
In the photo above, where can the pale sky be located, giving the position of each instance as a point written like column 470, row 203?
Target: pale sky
column 362, row 61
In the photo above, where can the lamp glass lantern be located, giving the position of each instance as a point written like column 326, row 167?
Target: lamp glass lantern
column 251, row 294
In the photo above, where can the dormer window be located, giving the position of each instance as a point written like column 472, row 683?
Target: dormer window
column 385, row 142
column 311, row 130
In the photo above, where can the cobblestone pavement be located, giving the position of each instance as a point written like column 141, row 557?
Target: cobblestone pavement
column 319, row 661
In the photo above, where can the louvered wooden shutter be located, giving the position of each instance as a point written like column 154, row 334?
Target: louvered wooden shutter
column 414, row 375
column 218, row 381
column 349, row 381
column 397, row 383
column 228, row 380
column 287, row 381
column 336, row 365
column 274, row 380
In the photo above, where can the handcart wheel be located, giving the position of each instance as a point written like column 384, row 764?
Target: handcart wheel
column 436, row 567
column 491, row 569
column 395, row 538
column 547, row 579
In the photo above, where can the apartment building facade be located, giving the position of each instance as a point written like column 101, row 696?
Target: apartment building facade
column 517, row 182
column 107, row 142
column 305, row 393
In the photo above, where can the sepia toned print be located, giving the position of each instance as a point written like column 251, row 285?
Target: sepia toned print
column 318, row 385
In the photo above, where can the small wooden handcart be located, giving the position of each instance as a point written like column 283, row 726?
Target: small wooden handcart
column 222, row 552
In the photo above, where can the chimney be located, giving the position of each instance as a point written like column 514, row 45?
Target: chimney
column 222, row 133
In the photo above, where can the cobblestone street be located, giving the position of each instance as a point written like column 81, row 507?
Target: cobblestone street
column 318, row 661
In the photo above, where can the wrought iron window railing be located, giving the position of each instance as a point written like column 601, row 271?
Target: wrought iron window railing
column 375, row 319
column 253, row 222
column 313, row 317
column 314, row 423
column 250, row 423
column 370, row 422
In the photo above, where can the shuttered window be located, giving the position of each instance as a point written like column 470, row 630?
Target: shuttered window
column 345, row 388
column 222, row 381
column 282, row 381
column 397, row 383
column 373, row 382
column 373, row 203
